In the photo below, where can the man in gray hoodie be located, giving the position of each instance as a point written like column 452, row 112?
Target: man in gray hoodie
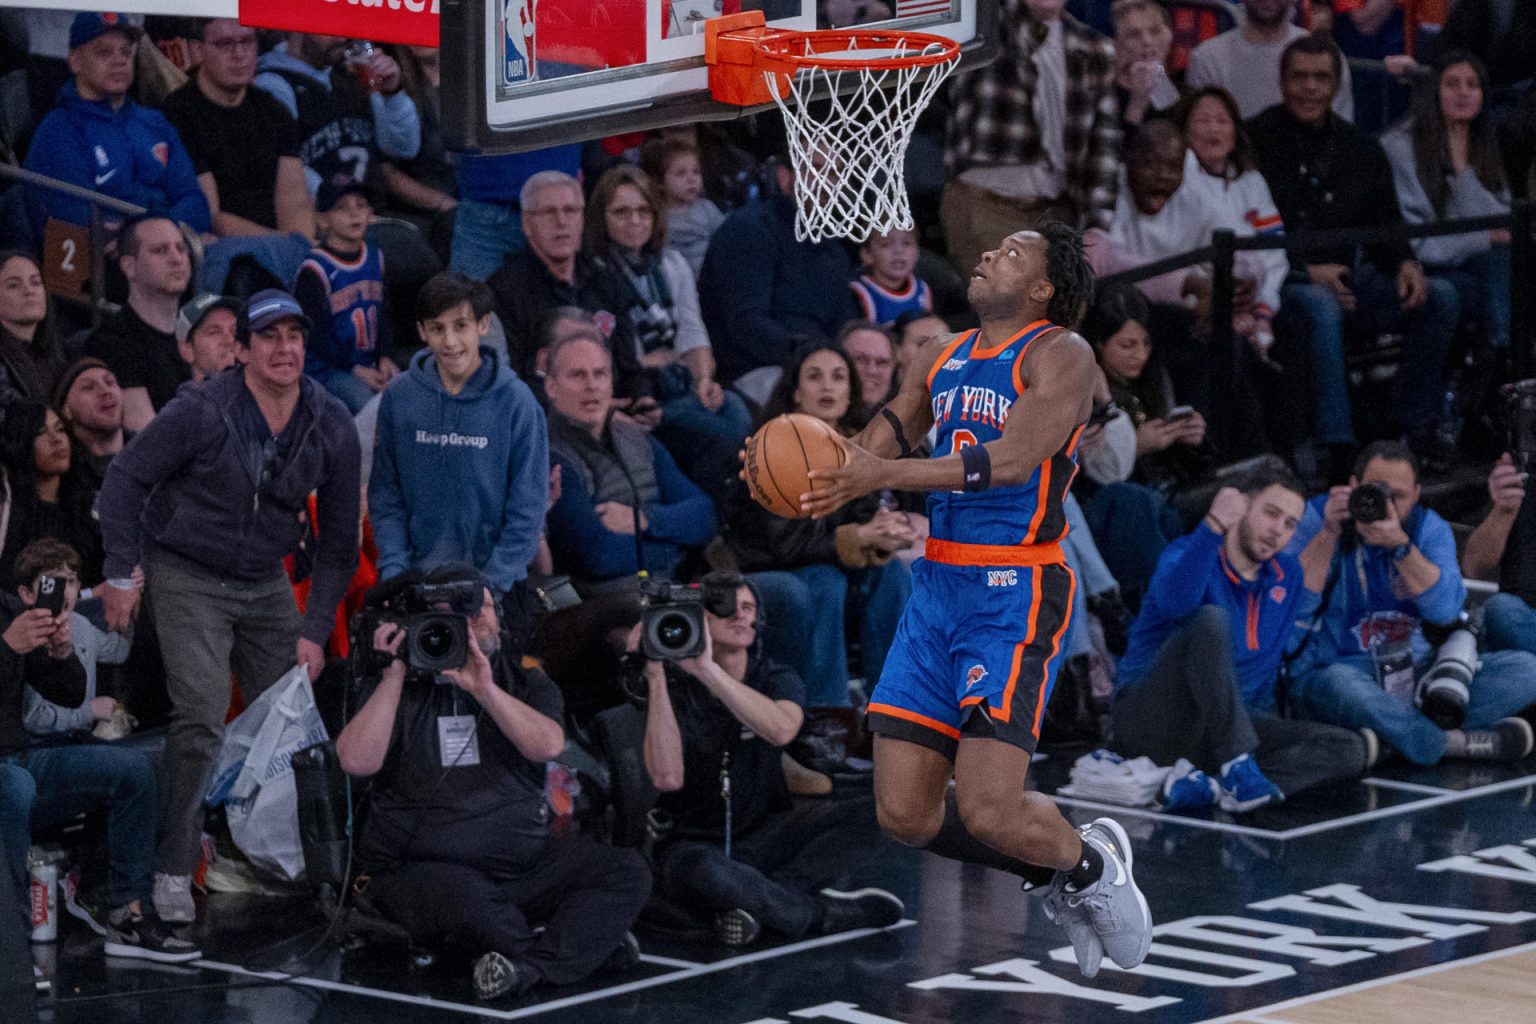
column 209, row 499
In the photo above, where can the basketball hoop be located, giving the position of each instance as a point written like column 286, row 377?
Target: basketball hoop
column 849, row 146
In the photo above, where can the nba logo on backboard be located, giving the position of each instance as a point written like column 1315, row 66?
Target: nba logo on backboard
column 518, row 59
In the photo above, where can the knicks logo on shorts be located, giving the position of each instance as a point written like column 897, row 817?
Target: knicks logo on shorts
column 975, row 675
column 1002, row 577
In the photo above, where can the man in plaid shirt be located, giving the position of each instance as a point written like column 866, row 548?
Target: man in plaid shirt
column 1035, row 135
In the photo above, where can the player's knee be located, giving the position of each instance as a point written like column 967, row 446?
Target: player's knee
column 985, row 817
column 907, row 823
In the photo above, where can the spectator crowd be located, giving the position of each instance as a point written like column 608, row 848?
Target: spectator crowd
column 333, row 355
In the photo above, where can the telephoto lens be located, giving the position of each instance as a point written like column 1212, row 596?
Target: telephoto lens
column 1368, row 503
column 1447, row 686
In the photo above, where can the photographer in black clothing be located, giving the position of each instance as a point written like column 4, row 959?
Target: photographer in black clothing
column 726, row 839
column 456, row 837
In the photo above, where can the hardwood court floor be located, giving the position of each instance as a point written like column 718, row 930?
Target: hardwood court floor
column 1494, row 991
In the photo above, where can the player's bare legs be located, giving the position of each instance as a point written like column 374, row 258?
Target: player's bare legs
column 989, row 788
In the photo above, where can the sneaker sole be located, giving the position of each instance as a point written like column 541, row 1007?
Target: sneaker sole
column 1232, row 806
column 1123, row 844
column 77, row 911
column 856, row 894
column 140, row 953
column 1528, row 733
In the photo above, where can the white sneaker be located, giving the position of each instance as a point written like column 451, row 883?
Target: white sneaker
column 40, row 980
column 173, row 899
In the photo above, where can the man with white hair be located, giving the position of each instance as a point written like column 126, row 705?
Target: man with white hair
column 552, row 271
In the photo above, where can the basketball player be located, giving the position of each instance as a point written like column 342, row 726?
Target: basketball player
column 979, row 644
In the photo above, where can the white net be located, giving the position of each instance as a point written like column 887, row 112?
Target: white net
column 848, row 133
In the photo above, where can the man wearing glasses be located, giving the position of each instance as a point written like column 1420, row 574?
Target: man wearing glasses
column 209, row 499
column 552, row 271
column 244, row 145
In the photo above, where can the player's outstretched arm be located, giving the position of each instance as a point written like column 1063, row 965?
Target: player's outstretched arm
column 910, row 409
column 1059, row 374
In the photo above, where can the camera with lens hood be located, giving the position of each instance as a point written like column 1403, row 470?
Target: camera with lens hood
column 433, row 617
column 655, row 326
column 672, row 620
column 1370, row 503
column 1446, row 688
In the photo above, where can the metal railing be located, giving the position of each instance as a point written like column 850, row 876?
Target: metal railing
column 95, row 224
column 1221, row 254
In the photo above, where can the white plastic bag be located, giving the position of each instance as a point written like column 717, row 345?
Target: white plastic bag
column 253, row 776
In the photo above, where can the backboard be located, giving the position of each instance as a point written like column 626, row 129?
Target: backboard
column 522, row 74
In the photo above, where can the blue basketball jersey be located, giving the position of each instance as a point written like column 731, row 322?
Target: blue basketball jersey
column 355, row 294
column 883, row 307
column 973, row 389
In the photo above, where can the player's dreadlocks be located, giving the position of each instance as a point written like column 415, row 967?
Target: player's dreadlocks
column 1068, row 269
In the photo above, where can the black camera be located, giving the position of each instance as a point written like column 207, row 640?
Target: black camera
column 655, row 326
column 1520, row 405
column 672, row 620
column 435, row 639
column 1370, row 503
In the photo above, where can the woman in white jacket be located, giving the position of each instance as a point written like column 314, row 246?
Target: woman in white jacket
column 1446, row 165
column 1219, row 172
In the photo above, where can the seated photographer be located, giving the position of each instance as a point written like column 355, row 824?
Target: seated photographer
column 1367, row 662
column 1503, row 549
column 1198, row 679
column 726, row 839
column 456, row 840
column 47, row 786
column 49, row 571
column 624, row 505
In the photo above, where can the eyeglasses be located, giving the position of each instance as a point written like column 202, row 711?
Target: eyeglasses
column 556, row 212
column 632, row 213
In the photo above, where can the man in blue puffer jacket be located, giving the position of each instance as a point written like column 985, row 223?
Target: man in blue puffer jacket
column 100, row 139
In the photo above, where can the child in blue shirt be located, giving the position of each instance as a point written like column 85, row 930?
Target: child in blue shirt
column 886, row 286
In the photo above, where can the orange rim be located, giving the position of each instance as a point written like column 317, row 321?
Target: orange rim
column 787, row 47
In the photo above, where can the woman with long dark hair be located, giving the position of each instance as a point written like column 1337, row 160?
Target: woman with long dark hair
column 31, row 356
column 1446, row 164
column 45, row 494
column 702, row 425
column 845, row 560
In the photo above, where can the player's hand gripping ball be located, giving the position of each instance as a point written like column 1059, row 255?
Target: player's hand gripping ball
column 781, row 454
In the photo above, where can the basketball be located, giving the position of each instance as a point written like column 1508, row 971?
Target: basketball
column 785, row 450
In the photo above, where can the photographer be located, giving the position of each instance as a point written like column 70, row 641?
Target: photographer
column 1198, row 678
column 727, row 841
column 1392, row 570
column 1503, row 549
column 457, row 834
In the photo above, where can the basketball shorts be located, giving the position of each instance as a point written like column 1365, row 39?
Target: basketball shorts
column 976, row 654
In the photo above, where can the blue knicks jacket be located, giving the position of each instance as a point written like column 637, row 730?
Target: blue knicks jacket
column 1366, row 601
column 1193, row 572
column 460, row 477
column 131, row 153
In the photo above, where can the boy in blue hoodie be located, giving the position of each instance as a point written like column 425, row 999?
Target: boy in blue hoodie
column 1198, row 677
column 461, row 461
column 1390, row 576
column 98, row 138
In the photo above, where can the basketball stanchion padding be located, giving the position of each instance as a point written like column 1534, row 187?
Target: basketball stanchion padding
column 782, row 452
column 850, row 100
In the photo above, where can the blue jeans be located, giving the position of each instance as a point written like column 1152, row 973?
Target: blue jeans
column 1346, row 693
column 484, row 235
column 50, row 786
column 1088, row 566
column 786, row 622
column 878, row 594
column 280, row 255
column 1420, row 380
column 1482, row 285
column 705, row 443
column 1509, row 624
column 347, row 386
column 1131, row 524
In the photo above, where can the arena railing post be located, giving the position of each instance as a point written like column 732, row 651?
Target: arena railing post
column 1227, row 361
column 1522, row 279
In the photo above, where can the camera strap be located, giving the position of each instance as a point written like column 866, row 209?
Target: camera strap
column 725, row 796
column 1283, row 680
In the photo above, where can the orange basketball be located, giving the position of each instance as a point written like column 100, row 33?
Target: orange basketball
column 786, row 449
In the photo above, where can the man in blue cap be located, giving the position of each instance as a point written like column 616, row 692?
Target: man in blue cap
column 209, row 499
column 100, row 139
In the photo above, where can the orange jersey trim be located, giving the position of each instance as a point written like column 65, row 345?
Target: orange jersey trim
column 949, row 350
column 914, row 717
column 950, row 552
column 987, row 353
